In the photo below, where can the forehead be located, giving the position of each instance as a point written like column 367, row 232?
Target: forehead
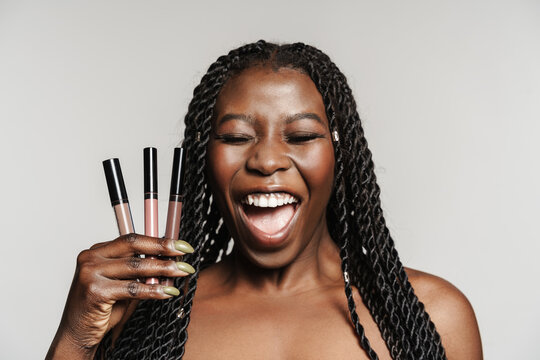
column 263, row 89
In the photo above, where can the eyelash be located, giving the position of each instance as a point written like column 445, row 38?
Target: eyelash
column 233, row 138
column 295, row 138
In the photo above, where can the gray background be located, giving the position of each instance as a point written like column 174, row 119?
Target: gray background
column 449, row 92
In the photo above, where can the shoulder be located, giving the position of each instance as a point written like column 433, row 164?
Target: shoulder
column 212, row 282
column 451, row 312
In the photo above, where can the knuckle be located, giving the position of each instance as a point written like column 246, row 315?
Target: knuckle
column 155, row 291
column 165, row 245
column 83, row 257
column 94, row 291
column 129, row 239
column 133, row 288
column 86, row 273
column 134, row 262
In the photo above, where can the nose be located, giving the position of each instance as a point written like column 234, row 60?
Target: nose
column 267, row 157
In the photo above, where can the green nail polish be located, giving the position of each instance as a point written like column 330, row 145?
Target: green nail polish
column 183, row 246
column 170, row 290
column 185, row 267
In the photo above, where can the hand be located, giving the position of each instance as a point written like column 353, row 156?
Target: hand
column 106, row 284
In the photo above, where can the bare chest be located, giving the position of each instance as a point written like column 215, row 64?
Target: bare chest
column 273, row 328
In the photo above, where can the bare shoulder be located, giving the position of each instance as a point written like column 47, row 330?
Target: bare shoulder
column 452, row 314
column 210, row 283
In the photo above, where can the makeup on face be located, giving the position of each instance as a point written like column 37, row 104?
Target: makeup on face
column 118, row 195
column 174, row 213
column 150, row 198
column 271, row 163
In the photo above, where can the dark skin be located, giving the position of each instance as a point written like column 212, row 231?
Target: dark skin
column 105, row 291
column 287, row 301
column 275, row 296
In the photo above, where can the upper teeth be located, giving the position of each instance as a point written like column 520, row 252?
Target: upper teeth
column 269, row 199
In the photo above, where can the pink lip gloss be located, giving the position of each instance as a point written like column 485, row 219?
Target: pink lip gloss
column 174, row 213
column 150, row 198
column 118, row 195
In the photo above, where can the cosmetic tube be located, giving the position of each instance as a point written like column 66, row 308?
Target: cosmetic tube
column 174, row 213
column 118, row 195
column 150, row 198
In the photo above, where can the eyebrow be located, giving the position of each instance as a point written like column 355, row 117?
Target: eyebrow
column 300, row 116
column 241, row 117
column 288, row 120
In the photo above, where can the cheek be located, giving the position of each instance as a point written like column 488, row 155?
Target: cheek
column 317, row 168
column 223, row 163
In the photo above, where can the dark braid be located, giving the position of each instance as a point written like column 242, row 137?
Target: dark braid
column 369, row 259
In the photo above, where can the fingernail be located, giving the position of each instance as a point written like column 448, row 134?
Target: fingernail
column 185, row 267
column 171, row 290
column 183, row 246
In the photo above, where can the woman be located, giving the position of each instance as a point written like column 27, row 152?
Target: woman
column 277, row 160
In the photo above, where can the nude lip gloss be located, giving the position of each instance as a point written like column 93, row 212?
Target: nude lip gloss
column 150, row 198
column 118, row 195
column 174, row 213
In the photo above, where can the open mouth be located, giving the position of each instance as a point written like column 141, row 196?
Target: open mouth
column 270, row 213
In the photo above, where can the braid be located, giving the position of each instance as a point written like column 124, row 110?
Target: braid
column 369, row 259
column 344, row 234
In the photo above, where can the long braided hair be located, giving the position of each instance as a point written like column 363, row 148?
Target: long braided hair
column 369, row 259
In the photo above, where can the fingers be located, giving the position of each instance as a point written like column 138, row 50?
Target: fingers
column 135, row 267
column 132, row 244
column 132, row 290
column 109, row 271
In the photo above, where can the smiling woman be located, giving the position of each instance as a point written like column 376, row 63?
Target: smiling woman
column 270, row 140
column 278, row 162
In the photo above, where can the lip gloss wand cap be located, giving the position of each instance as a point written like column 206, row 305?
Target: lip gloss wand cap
column 150, row 170
column 177, row 178
column 115, row 181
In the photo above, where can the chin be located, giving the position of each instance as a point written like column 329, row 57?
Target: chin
column 273, row 259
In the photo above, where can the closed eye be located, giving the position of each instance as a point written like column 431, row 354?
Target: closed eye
column 235, row 139
column 303, row 137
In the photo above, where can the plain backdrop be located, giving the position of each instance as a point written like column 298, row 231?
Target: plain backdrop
column 448, row 91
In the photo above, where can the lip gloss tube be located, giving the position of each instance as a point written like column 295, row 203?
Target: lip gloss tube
column 118, row 195
column 174, row 213
column 150, row 198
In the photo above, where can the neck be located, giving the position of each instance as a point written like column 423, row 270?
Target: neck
column 318, row 265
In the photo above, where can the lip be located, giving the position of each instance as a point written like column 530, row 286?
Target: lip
column 240, row 195
column 261, row 239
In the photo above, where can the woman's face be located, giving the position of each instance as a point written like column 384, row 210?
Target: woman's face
column 271, row 163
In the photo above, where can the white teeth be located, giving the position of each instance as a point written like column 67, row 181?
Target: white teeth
column 272, row 201
column 269, row 199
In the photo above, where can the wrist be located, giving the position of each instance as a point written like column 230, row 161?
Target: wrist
column 65, row 347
